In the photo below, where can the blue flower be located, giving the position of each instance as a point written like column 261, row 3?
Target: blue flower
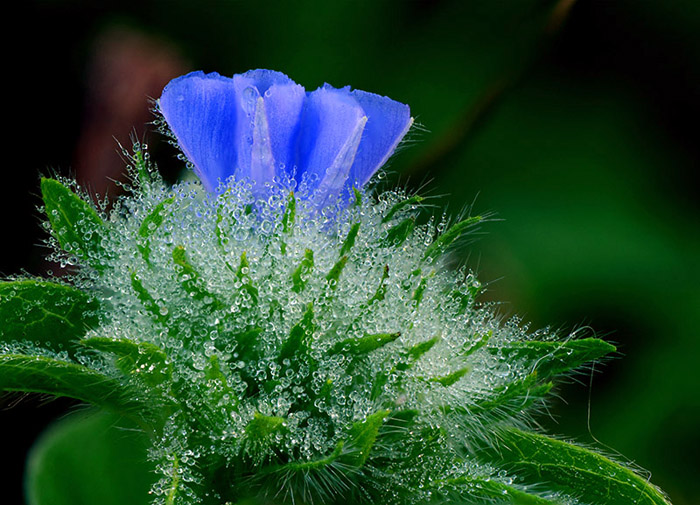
column 261, row 124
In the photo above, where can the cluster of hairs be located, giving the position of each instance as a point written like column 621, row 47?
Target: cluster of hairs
column 278, row 353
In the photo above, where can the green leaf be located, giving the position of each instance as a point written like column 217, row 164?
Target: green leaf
column 143, row 360
column 34, row 374
column 443, row 241
column 88, row 459
column 364, row 345
column 574, row 470
column 552, row 358
column 75, row 223
column 361, row 439
column 45, row 312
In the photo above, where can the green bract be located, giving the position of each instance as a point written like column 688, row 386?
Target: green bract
column 271, row 353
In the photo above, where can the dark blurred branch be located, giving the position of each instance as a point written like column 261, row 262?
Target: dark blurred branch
column 471, row 120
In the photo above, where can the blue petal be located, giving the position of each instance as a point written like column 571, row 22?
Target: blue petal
column 200, row 109
column 387, row 123
column 259, row 124
column 268, row 116
column 331, row 131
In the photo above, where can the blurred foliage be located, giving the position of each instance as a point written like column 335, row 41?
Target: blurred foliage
column 575, row 123
column 112, row 453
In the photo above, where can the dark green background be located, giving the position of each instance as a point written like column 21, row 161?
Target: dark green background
column 579, row 131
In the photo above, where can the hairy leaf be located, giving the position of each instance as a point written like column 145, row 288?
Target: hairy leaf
column 552, row 358
column 138, row 359
column 574, row 470
column 75, row 223
column 45, row 312
column 34, row 374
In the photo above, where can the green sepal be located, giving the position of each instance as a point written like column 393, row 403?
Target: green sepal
column 573, row 470
column 380, row 380
column 246, row 343
column 75, row 223
column 190, row 279
column 141, row 360
column 396, row 426
column 420, row 289
column 149, row 225
column 35, row 374
column 493, row 491
column 262, row 427
column 358, row 196
column 217, row 385
column 420, row 349
column 475, row 346
column 221, row 237
column 517, row 395
column 350, row 239
column 299, row 338
column 289, row 214
column 364, row 345
column 302, row 271
column 552, row 358
column 380, row 293
column 441, row 243
column 450, row 379
column 335, row 272
column 398, row 234
column 46, row 312
column 90, row 458
column 361, row 438
column 174, row 484
column 414, row 200
column 147, row 300
column 307, row 481
column 243, row 275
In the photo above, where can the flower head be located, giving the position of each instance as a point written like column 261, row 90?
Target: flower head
column 260, row 125
column 278, row 357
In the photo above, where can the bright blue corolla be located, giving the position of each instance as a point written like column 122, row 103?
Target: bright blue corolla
column 261, row 124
